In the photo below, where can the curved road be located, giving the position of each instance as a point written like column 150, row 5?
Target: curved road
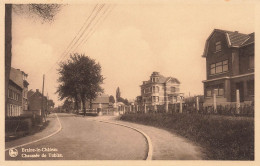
column 81, row 138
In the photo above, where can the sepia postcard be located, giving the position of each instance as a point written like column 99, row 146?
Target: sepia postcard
column 129, row 82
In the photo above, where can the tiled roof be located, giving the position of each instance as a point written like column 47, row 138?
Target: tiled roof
column 250, row 40
column 16, row 76
column 30, row 93
column 174, row 79
column 103, row 98
column 237, row 39
column 163, row 79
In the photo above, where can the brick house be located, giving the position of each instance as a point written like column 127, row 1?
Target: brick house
column 229, row 67
column 14, row 99
column 159, row 89
column 17, row 93
column 35, row 101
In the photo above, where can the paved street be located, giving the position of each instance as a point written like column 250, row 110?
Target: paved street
column 92, row 138
column 81, row 138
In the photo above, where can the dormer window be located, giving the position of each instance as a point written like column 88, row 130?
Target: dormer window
column 155, row 79
column 218, row 46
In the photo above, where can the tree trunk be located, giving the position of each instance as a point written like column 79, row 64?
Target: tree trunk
column 84, row 105
column 90, row 103
column 76, row 105
column 8, row 48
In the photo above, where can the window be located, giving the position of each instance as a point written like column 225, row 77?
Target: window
column 173, row 89
column 212, row 68
column 217, row 89
column 9, row 93
column 155, row 89
column 218, row 46
column 155, row 99
column 219, row 67
column 225, row 65
column 251, row 62
column 208, row 93
column 154, row 79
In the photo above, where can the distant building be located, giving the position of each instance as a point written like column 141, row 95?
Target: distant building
column 101, row 100
column 159, row 89
column 35, row 101
column 230, row 67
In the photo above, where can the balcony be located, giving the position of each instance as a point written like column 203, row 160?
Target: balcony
column 155, row 93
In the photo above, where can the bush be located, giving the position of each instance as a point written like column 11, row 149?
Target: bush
column 18, row 124
column 223, row 137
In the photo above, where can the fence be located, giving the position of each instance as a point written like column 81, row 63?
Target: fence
column 189, row 108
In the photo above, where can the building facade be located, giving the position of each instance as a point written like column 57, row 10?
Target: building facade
column 159, row 89
column 25, row 91
column 229, row 67
column 17, row 102
column 14, row 100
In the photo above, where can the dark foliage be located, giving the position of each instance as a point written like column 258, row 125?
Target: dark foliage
column 223, row 137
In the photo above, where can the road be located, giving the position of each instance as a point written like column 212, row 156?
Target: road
column 82, row 138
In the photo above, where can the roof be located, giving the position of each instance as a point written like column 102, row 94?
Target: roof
column 30, row 93
column 234, row 39
column 250, row 40
column 16, row 76
column 162, row 79
column 102, row 98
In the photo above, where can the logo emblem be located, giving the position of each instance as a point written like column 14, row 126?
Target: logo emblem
column 13, row 152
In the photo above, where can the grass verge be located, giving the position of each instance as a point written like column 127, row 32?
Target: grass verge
column 223, row 137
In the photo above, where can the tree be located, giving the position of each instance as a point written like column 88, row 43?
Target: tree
column 67, row 105
column 111, row 99
column 119, row 98
column 69, row 91
column 118, row 94
column 80, row 76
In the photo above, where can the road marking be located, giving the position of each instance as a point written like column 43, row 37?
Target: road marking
column 149, row 142
column 18, row 146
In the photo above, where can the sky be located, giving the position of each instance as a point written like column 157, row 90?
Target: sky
column 130, row 43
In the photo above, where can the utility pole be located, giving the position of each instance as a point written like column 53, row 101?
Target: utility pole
column 42, row 111
column 47, row 104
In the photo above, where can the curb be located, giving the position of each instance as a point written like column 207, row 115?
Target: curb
column 148, row 140
column 40, row 138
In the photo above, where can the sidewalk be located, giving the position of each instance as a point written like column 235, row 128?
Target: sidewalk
column 166, row 146
column 51, row 128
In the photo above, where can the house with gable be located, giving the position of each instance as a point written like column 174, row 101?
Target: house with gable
column 17, row 103
column 229, row 67
column 159, row 89
column 37, row 101
column 102, row 100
